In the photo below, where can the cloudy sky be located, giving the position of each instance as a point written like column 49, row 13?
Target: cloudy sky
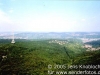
column 50, row 15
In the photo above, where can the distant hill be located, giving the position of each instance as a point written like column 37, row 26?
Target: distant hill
column 50, row 35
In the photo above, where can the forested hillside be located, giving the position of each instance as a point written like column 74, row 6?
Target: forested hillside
column 32, row 57
column 94, row 43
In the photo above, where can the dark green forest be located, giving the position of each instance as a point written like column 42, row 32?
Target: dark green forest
column 32, row 57
column 94, row 43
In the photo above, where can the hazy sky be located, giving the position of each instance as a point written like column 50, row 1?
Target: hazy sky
column 49, row 15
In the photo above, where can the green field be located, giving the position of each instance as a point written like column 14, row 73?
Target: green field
column 38, row 57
